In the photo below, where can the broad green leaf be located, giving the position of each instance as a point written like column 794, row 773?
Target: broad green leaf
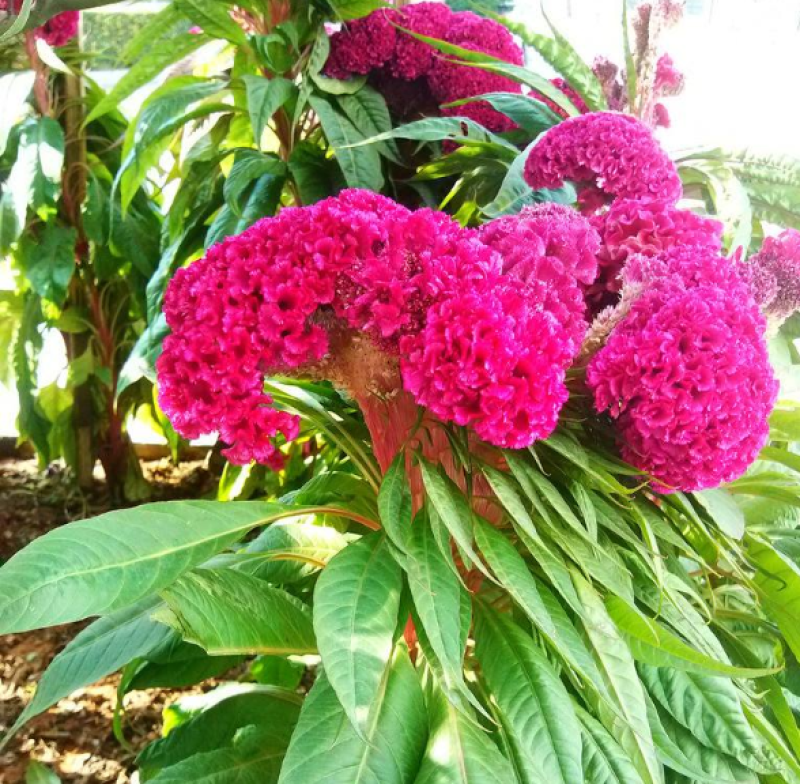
column 49, row 261
column 290, row 551
column 628, row 721
column 227, row 613
column 778, row 580
column 158, row 26
column 214, row 18
column 159, row 56
column 249, row 165
column 15, row 88
column 176, row 664
column 394, row 504
column 603, row 760
column 93, row 567
column 534, row 706
column 531, row 115
column 654, row 644
column 214, row 727
column 37, row 773
column 277, row 671
column 505, row 489
column 367, row 110
column 325, row 747
column 452, row 507
column 264, row 98
column 437, row 593
column 100, row 649
column 709, row 707
column 513, row 574
column 315, row 175
column 435, row 129
column 360, row 165
column 252, row 758
column 355, row 9
column 682, row 752
column 460, row 751
column 356, row 603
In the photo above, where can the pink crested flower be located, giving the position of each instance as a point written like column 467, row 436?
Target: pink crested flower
column 413, row 58
column 614, row 152
column 612, row 83
column 553, row 250
column 362, row 45
column 56, row 31
column 661, row 116
column 669, row 80
column 773, row 275
column 572, row 94
column 630, row 227
column 686, row 374
column 451, row 82
column 491, row 360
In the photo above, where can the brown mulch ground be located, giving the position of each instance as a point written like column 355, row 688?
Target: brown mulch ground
column 74, row 739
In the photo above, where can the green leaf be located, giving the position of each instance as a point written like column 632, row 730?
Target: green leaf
column 630, row 65
column 355, row 9
column 93, row 567
column 437, row 593
column 100, row 649
column 531, row 115
column 162, row 54
column 249, row 165
column 325, row 747
column 778, row 580
column 277, row 671
column 356, row 602
column 653, row 643
column 315, row 175
column 229, row 613
column 226, row 712
column 394, row 504
column 367, row 110
column 287, row 552
column 252, row 758
column 681, row 751
column 36, row 773
column 15, row 88
column 214, row 18
column 360, row 165
column 534, row 706
column 459, row 751
column 628, row 721
column 434, row 129
column 264, row 98
column 603, row 760
column 556, row 628
column 452, row 508
column 709, row 707
column 49, row 261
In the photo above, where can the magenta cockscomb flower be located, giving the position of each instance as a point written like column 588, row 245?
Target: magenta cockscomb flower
column 774, row 276
column 292, row 291
column 56, row 31
column 686, row 373
column 669, row 80
column 493, row 361
column 614, row 152
column 630, row 227
column 451, row 82
column 413, row 58
column 362, row 45
column 553, row 250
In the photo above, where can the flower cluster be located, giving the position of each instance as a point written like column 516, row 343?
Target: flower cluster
column 474, row 345
column 774, row 276
column 56, row 31
column 552, row 249
column 613, row 152
column 686, row 373
column 646, row 228
column 411, row 74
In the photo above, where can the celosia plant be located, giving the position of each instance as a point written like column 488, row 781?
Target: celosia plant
column 612, row 153
column 686, row 373
column 411, row 74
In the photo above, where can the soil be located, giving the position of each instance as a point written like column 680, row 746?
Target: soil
column 74, row 739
